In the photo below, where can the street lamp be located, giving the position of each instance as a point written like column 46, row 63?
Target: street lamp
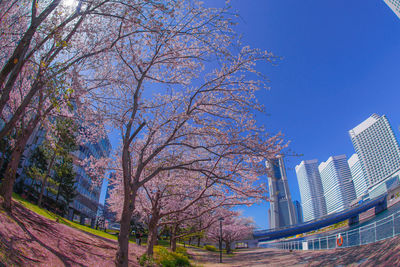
column 220, row 239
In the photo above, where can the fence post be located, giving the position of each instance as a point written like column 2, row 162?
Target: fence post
column 393, row 224
column 359, row 235
column 336, row 242
column 375, row 231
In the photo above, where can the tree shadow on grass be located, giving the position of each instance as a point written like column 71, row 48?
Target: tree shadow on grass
column 45, row 240
column 66, row 260
column 12, row 256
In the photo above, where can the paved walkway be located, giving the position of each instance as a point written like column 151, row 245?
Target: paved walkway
column 383, row 253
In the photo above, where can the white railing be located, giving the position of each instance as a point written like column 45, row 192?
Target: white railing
column 384, row 228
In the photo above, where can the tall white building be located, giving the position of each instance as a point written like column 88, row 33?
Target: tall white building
column 394, row 5
column 377, row 149
column 337, row 184
column 360, row 184
column 311, row 191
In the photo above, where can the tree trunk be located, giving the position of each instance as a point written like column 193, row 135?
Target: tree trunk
column 39, row 203
column 130, row 191
column 121, row 259
column 198, row 241
column 58, row 190
column 173, row 243
column 152, row 239
column 228, row 247
column 173, row 237
column 2, row 160
column 7, row 185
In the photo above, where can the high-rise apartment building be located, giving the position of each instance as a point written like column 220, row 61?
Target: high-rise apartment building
column 337, row 183
column 394, row 5
column 360, row 184
column 311, row 190
column 281, row 212
column 377, row 149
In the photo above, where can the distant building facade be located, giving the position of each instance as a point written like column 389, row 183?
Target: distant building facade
column 311, row 190
column 281, row 212
column 108, row 213
column 297, row 211
column 86, row 202
column 337, row 183
column 394, row 5
column 360, row 184
column 377, row 149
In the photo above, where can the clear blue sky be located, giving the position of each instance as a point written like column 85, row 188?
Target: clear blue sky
column 340, row 63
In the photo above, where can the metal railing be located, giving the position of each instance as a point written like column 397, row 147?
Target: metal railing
column 382, row 229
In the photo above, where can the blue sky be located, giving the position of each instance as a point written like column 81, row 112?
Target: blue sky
column 340, row 63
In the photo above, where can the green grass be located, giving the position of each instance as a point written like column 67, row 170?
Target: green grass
column 50, row 215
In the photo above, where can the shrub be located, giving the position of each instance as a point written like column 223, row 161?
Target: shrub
column 167, row 258
column 210, row 248
column 146, row 261
column 182, row 250
column 180, row 259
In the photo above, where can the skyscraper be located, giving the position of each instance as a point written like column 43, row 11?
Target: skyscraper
column 298, row 212
column 360, row 184
column 311, row 191
column 281, row 211
column 337, row 184
column 377, row 149
column 394, row 5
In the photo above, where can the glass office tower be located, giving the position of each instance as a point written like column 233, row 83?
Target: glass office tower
column 281, row 212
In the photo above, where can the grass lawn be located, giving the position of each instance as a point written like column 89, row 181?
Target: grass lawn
column 54, row 217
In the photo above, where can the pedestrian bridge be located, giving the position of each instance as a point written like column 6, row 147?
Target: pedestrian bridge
column 352, row 214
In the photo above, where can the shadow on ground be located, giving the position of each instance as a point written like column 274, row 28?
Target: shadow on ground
column 28, row 239
column 382, row 253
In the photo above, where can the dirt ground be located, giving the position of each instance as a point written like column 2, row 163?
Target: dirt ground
column 28, row 239
column 383, row 253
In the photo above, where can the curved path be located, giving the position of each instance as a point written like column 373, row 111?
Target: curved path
column 382, row 253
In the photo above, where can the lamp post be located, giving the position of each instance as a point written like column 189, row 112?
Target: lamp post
column 220, row 239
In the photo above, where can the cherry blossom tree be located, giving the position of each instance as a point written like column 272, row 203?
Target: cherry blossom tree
column 170, row 75
column 174, row 115
column 235, row 228
column 50, row 38
column 181, row 200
